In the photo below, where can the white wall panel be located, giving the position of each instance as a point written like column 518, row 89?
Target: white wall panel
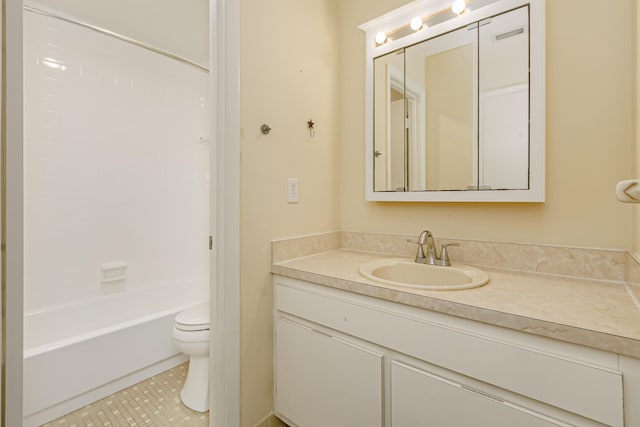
column 114, row 165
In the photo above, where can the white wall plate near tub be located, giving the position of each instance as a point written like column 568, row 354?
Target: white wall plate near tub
column 628, row 191
column 114, row 271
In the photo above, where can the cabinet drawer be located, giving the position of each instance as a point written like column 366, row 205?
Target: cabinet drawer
column 420, row 398
column 585, row 389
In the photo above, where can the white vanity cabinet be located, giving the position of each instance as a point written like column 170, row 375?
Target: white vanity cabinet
column 343, row 359
column 323, row 380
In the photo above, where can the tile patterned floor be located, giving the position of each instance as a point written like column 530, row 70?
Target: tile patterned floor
column 153, row 402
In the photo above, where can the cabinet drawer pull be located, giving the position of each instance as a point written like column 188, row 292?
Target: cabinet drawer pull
column 487, row 395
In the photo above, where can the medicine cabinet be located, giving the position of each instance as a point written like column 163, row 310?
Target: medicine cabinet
column 455, row 103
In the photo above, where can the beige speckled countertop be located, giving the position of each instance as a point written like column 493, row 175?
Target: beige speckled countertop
column 595, row 313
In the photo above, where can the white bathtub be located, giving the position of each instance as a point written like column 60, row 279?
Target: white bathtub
column 78, row 353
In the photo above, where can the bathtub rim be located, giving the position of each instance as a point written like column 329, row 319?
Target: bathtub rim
column 95, row 333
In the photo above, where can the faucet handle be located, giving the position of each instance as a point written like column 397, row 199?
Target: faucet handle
column 444, row 256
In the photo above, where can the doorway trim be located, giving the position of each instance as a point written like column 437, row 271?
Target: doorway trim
column 12, row 211
column 224, row 74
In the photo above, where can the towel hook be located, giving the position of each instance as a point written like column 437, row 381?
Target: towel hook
column 310, row 125
column 265, row 129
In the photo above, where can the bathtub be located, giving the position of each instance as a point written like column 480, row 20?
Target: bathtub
column 78, row 353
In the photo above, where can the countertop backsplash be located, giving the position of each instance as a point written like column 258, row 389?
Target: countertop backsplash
column 597, row 264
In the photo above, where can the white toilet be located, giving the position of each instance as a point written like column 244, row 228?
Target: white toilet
column 191, row 336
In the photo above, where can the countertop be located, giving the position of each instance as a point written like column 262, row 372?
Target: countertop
column 593, row 313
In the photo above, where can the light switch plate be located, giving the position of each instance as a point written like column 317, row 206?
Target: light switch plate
column 292, row 190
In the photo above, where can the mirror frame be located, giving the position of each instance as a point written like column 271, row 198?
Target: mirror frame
column 398, row 19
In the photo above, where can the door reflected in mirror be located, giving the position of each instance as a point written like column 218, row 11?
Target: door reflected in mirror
column 389, row 130
column 448, row 67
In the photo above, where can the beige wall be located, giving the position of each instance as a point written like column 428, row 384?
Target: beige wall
column 589, row 138
column 289, row 74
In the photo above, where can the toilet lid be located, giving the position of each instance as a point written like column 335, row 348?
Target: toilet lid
column 195, row 318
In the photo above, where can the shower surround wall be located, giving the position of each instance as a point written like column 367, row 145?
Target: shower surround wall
column 114, row 165
column 116, row 169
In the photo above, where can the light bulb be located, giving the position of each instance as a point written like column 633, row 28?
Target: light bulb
column 458, row 6
column 416, row 23
column 380, row 37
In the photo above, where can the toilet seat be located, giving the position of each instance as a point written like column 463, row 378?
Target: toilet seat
column 195, row 318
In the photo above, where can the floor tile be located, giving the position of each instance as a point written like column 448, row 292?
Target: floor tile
column 153, row 402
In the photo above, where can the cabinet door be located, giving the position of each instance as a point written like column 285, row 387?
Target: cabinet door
column 420, row 398
column 324, row 381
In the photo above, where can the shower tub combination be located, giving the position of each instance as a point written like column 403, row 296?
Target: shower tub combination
column 77, row 354
column 116, row 168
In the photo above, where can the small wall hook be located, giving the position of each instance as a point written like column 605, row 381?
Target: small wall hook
column 265, row 129
column 310, row 125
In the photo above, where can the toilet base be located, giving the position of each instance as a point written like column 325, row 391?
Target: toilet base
column 195, row 392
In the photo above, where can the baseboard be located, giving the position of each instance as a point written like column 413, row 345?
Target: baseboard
column 271, row 421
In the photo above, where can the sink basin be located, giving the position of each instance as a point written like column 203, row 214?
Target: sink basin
column 407, row 273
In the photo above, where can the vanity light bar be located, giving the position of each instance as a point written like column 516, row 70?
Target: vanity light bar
column 428, row 21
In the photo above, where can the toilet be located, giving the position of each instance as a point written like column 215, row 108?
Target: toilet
column 191, row 337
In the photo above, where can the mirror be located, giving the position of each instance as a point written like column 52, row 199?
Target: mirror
column 457, row 115
column 389, row 149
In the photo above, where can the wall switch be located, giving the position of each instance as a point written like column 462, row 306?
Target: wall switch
column 292, row 190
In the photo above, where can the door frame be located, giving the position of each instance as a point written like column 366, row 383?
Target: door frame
column 224, row 75
column 12, row 214
column 225, row 301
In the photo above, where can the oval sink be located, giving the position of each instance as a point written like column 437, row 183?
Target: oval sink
column 404, row 272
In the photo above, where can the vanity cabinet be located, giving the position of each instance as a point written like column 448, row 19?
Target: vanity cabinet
column 323, row 380
column 344, row 359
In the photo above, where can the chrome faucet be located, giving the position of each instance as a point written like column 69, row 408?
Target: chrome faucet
column 422, row 240
column 431, row 256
